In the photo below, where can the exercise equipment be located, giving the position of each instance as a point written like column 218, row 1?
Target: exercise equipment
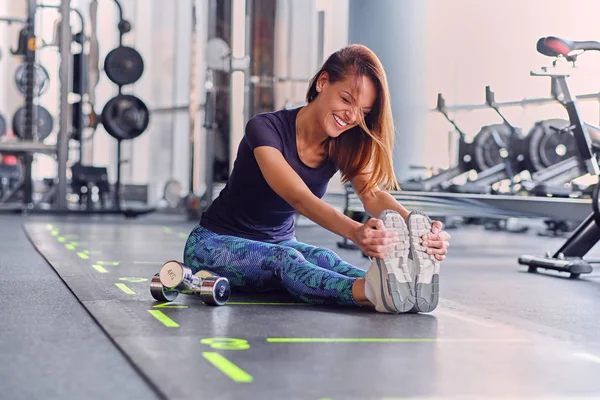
column 174, row 278
column 124, row 65
column 549, row 143
column 41, row 79
column 570, row 256
column 465, row 163
column 125, row 117
column 43, row 121
column 2, row 125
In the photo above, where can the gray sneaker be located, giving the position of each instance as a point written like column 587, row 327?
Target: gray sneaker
column 426, row 266
column 390, row 279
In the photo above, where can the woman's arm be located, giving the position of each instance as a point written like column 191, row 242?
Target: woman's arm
column 376, row 202
column 371, row 237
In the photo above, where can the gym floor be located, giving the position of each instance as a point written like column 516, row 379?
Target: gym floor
column 78, row 322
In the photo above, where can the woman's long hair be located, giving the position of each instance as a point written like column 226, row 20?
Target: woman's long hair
column 368, row 147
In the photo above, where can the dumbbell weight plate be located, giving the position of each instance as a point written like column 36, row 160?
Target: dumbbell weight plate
column 41, row 79
column 173, row 274
column 125, row 117
column 215, row 290
column 159, row 292
column 2, row 126
column 124, row 65
column 45, row 122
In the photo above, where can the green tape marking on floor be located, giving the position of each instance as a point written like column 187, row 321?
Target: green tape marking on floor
column 49, row 227
column 183, row 235
column 349, row 340
column 72, row 245
column 83, row 255
column 168, row 305
column 251, row 303
column 124, row 288
column 133, row 279
column 99, row 269
column 111, row 263
column 228, row 368
column 393, row 340
column 166, row 321
column 166, row 229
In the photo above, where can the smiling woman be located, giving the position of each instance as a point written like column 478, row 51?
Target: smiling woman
column 283, row 166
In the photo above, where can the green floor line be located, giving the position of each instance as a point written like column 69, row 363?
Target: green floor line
column 392, row 340
column 166, row 321
column 124, row 288
column 99, row 269
column 271, row 303
column 168, row 305
column 228, row 368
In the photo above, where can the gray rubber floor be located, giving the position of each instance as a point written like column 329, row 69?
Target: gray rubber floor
column 51, row 347
column 499, row 332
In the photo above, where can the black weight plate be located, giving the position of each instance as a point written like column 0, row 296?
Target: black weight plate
column 547, row 146
column 41, row 79
column 124, row 65
column 125, row 117
column 45, row 122
column 486, row 151
column 2, row 126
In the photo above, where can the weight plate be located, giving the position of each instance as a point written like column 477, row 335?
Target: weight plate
column 172, row 193
column 41, row 79
column 490, row 143
column 158, row 291
column 45, row 122
column 2, row 125
column 124, row 65
column 218, row 54
column 125, row 117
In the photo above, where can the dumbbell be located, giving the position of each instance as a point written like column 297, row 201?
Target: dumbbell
column 174, row 278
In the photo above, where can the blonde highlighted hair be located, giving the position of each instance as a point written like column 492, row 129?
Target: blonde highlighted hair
column 368, row 147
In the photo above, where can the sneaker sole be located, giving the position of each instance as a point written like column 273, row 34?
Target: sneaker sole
column 427, row 267
column 395, row 267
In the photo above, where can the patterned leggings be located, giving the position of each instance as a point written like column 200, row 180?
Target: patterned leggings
column 311, row 274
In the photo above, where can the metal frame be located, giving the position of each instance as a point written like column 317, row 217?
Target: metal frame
column 63, row 133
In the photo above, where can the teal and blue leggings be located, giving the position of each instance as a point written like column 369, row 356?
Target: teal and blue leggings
column 311, row 274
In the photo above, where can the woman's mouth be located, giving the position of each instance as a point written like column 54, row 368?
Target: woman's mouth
column 340, row 122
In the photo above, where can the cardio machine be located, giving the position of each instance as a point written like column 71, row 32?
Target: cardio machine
column 479, row 155
column 570, row 256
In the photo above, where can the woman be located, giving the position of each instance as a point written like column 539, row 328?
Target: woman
column 283, row 166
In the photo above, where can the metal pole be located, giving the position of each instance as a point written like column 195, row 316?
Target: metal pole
column 63, row 134
column 193, row 105
column 248, row 106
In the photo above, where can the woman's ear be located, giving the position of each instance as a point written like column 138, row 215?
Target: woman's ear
column 322, row 80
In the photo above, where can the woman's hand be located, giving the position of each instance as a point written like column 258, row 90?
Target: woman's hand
column 373, row 239
column 437, row 241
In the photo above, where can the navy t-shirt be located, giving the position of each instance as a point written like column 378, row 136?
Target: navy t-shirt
column 247, row 207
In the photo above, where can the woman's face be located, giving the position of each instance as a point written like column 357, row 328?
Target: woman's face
column 338, row 102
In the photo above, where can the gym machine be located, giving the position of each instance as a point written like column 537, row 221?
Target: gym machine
column 486, row 167
column 31, row 123
column 570, row 256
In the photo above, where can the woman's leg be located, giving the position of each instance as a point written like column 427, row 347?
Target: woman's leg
column 325, row 258
column 254, row 265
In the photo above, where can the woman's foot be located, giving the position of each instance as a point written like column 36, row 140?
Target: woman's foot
column 389, row 284
column 426, row 266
